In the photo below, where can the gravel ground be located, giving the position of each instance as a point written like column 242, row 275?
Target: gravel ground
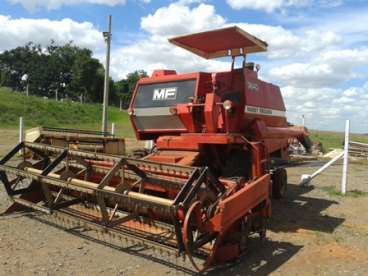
column 313, row 231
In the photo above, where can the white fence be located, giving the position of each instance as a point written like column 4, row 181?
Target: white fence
column 307, row 178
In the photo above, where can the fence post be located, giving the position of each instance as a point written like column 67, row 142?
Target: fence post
column 344, row 179
column 113, row 128
column 21, row 130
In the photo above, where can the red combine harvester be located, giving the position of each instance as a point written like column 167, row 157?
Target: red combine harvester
column 208, row 182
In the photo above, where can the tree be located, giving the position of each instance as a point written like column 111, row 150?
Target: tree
column 125, row 87
column 85, row 71
column 133, row 78
column 17, row 62
column 67, row 69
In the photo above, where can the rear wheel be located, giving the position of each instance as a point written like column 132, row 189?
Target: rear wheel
column 279, row 183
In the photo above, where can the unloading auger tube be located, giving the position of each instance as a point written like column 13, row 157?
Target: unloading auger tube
column 183, row 209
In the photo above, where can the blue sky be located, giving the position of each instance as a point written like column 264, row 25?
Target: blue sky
column 318, row 51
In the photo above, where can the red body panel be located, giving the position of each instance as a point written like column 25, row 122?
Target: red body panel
column 241, row 202
column 267, row 95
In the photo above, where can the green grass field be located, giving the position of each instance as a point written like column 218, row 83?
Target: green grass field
column 37, row 111
column 46, row 112
column 332, row 139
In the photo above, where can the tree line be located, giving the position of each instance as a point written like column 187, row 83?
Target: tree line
column 62, row 71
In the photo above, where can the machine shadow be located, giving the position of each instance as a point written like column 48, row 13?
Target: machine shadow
column 299, row 211
column 262, row 258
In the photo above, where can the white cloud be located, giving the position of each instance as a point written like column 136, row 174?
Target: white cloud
column 284, row 43
column 272, row 5
column 327, row 108
column 328, row 69
column 55, row 4
column 155, row 52
column 330, row 3
column 350, row 92
column 178, row 18
column 18, row 32
column 268, row 6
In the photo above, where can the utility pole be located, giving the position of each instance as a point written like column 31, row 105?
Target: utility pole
column 107, row 37
column 303, row 120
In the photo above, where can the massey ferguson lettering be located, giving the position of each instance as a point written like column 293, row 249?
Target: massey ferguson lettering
column 264, row 111
column 260, row 110
column 164, row 94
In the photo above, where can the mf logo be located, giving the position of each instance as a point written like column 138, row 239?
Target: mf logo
column 163, row 94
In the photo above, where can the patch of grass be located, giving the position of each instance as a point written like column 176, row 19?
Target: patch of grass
column 357, row 193
column 338, row 239
column 321, row 236
column 47, row 112
column 332, row 139
column 331, row 191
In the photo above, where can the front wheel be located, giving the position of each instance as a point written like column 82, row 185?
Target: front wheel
column 279, row 183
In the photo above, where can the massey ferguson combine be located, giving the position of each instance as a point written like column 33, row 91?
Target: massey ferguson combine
column 207, row 184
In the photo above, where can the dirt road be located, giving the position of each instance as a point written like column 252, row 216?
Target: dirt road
column 312, row 232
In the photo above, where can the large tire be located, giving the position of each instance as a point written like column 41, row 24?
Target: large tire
column 279, row 183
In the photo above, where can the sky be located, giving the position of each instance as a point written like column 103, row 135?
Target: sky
column 317, row 54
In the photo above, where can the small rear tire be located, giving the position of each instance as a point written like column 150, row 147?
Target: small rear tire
column 279, row 183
